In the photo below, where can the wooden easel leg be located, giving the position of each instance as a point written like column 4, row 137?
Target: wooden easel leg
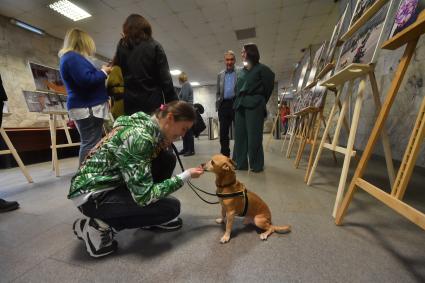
column 298, row 127
column 342, row 114
column 379, row 124
column 325, row 134
column 289, row 132
column 411, row 154
column 313, row 145
column 384, row 136
column 303, row 140
column 15, row 155
column 52, row 124
column 275, row 120
column 350, row 145
column 65, row 128
column 329, row 139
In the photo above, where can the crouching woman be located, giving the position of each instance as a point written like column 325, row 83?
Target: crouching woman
column 123, row 184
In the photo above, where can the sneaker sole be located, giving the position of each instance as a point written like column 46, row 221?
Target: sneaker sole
column 90, row 247
column 75, row 231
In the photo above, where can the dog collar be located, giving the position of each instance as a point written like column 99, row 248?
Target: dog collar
column 227, row 185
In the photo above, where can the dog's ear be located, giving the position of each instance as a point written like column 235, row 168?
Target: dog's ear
column 225, row 167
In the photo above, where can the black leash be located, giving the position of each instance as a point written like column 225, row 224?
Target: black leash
column 189, row 183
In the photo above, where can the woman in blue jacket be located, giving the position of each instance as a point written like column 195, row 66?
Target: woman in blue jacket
column 87, row 101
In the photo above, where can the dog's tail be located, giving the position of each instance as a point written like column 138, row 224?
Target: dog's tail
column 282, row 229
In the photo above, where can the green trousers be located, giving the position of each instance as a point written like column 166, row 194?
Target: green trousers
column 249, row 123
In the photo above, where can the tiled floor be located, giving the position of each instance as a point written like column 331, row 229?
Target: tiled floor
column 374, row 245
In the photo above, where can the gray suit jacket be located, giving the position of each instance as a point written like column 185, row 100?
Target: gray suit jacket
column 220, row 87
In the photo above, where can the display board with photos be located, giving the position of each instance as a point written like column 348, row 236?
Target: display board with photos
column 44, row 102
column 317, row 62
column 407, row 13
column 361, row 7
column 46, row 78
column 336, row 35
column 363, row 45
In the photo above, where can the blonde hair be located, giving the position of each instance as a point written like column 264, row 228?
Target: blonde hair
column 183, row 77
column 230, row 52
column 79, row 41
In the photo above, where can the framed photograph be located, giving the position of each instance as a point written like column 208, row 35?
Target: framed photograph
column 306, row 64
column 318, row 96
column 336, row 35
column 317, row 63
column 47, row 78
column 407, row 13
column 43, row 102
column 361, row 7
column 362, row 45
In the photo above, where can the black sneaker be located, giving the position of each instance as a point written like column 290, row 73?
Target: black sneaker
column 98, row 236
column 78, row 227
column 174, row 224
column 8, row 205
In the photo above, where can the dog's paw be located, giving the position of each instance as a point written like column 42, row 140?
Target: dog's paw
column 264, row 236
column 225, row 239
column 219, row 221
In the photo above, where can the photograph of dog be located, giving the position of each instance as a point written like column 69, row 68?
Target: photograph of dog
column 236, row 200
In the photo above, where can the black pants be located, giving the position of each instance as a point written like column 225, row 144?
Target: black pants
column 1, row 112
column 226, row 115
column 189, row 142
column 118, row 209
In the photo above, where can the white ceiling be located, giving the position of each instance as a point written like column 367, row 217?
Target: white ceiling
column 195, row 33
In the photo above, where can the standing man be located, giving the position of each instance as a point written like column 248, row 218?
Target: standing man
column 226, row 81
column 186, row 94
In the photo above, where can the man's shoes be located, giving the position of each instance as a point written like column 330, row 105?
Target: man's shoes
column 189, row 153
column 172, row 225
column 8, row 205
column 181, row 152
column 97, row 235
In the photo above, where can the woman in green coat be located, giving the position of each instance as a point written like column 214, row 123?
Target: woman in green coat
column 254, row 87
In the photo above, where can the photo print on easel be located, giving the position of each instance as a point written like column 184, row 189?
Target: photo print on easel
column 336, row 35
column 306, row 64
column 44, row 102
column 47, row 78
column 317, row 64
column 407, row 13
column 361, row 7
column 362, row 45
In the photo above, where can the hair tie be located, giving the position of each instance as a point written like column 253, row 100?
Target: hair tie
column 163, row 107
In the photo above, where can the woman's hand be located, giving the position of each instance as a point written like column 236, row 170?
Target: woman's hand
column 106, row 69
column 196, row 172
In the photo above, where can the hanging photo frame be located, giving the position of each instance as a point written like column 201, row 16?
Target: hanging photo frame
column 407, row 13
column 362, row 47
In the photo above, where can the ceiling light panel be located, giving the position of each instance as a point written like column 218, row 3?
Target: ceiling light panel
column 69, row 10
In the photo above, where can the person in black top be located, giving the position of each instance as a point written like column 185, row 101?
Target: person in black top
column 5, row 205
column 144, row 65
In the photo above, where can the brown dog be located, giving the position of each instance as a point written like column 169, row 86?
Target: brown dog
column 237, row 201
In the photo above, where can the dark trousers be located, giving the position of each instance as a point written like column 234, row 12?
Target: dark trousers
column 1, row 112
column 118, row 209
column 249, row 123
column 189, row 141
column 226, row 115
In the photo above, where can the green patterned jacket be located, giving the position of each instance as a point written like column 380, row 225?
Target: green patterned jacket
column 124, row 157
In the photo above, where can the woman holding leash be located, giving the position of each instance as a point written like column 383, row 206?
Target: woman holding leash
column 121, row 185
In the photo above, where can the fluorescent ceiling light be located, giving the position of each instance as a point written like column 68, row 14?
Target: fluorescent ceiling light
column 195, row 84
column 27, row 26
column 70, row 10
column 175, row 72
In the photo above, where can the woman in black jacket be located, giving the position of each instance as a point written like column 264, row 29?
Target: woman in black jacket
column 144, row 66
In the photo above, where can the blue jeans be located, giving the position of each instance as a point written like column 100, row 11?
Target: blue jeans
column 90, row 130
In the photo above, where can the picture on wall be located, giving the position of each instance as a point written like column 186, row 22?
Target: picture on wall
column 361, row 47
column 43, row 102
column 361, row 8
column 337, row 32
column 406, row 14
column 47, row 78
column 317, row 63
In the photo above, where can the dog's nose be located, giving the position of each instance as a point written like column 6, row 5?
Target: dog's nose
column 203, row 165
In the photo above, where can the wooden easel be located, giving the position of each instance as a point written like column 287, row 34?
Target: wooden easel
column 274, row 128
column 54, row 146
column 350, row 74
column 394, row 200
column 11, row 150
